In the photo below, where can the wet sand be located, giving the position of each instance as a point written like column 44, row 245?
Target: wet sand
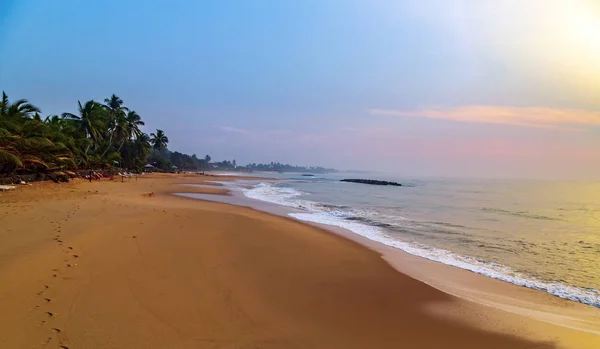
column 106, row 265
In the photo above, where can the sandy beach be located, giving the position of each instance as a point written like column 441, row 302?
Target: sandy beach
column 129, row 265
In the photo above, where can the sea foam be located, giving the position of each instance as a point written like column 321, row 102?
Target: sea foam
column 345, row 218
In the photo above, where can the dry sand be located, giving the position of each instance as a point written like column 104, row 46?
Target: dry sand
column 102, row 265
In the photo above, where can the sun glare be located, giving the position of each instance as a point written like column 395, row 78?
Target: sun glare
column 588, row 29
column 585, row 29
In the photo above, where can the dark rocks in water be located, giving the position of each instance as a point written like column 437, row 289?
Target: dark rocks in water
column 372, row 182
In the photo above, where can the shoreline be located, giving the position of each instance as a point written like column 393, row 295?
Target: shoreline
column 125, row 269
column 456, row 281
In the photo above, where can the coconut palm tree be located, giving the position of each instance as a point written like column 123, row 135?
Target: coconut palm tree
column 121, row 130
column 90, row 120
column 116, row 114
column 32, row 145
column 142, row 146
column 20, row 108
column 114, row 104
column 134, row 122
column 25, row 141
column 159, row 140
column 96, row 135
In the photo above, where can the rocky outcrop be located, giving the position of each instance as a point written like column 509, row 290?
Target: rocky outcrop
column 372, row 182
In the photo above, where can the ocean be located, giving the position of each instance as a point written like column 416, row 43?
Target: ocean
column 539, row 234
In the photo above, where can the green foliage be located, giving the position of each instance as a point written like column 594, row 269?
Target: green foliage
column 159, row 141
column 98, row 135
column 9, row 161
column 278, row 167
column 186, row 162
column 160, row 159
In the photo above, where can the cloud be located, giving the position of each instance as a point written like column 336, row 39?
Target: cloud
column 234, row 130
column 517, row 116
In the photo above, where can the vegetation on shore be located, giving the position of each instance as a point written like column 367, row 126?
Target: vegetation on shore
column 98, row 135
column 278, row 167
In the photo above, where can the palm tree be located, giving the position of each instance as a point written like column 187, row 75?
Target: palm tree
column 19, row 109
column 24, row 138
column 134, row 122
column 159, row 141
column 135, row 153
column 89, row 121
column 94, row 136
column 114, row 104
column 116, row 113
column 121, row 129
column 33, row 145
column 142, row 146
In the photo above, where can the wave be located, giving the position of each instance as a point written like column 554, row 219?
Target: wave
column 362, row 222
column 291, row 197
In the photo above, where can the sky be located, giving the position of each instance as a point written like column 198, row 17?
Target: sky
column 498, row 88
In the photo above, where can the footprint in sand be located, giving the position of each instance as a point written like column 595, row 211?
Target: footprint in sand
column 55, row 330
column 42, row 291
column 49, row 314
column 48, row 300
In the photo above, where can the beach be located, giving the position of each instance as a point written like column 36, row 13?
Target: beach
column 112, row 264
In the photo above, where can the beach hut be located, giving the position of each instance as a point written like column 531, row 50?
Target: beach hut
column 148, row 168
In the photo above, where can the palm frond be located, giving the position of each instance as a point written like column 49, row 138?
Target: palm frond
column 34, row 162
column 69, row 116
column 9, row 158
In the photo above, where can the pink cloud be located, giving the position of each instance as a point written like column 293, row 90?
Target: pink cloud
column 568, row 119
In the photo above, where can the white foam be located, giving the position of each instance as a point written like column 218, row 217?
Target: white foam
column 318, row 214
column 493, row 270
column 274, row 195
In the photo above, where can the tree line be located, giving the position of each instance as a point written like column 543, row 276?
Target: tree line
column 98, row 135
column 279, row 167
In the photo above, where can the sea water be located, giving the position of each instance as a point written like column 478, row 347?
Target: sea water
column 539, row 234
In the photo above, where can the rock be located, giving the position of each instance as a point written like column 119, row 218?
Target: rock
column 372, row 182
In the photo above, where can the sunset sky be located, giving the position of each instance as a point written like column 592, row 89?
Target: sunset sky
column 435, row 87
